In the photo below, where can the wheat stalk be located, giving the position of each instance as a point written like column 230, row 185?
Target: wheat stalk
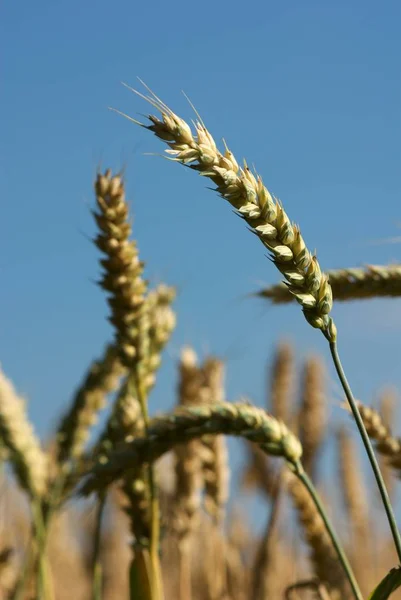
column 359, row 283
column 252, row 201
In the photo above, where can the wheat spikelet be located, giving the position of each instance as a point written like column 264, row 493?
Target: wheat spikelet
column 26, row 455
column 101, row 379
column 187, row 423
column 312, row 418
column 262, row 212
column 213, row 449
column 359, row 283
column 323, row 556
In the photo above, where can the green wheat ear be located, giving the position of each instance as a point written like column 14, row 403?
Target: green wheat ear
column 246, row 192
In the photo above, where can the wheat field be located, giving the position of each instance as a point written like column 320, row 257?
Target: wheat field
column 146, row 509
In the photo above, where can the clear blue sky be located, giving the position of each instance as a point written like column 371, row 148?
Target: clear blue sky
column 310, row 92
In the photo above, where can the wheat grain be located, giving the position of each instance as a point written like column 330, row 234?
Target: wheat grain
column 359, row 283
column 261, row 211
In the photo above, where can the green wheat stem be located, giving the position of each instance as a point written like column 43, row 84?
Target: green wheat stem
column 44, row 585
column 154, row 506
column 368, row 447
column 304, row 478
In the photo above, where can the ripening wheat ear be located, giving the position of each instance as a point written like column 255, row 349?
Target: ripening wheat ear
column 25, row 453
column 254, row 203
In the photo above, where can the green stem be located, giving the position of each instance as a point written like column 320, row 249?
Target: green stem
column 302, row 475
column 368, row 447
column 96, row 566
column 44, row 583
column 154, row 507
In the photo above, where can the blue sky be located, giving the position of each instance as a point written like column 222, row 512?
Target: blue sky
column 307, row 91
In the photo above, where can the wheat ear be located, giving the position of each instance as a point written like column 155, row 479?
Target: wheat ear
column 355, row 494
column 386, row 444
column 213, row 449
column 253, row 202
column 25, row 453
column 101, row 379
column 188, row 479
column 122, row 279
column 359, row 283
column 323, row 557
column 387, row 404
column 282, row 374
column 185, row 424
column 312, row 417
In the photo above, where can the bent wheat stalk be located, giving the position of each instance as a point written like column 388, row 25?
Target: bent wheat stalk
column 267, row 219
column 360, row 283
